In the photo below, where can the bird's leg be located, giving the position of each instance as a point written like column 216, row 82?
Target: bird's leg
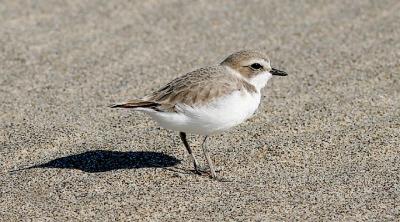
column 210, row 164
column 182, row 135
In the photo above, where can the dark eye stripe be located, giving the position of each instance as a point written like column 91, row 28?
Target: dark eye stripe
column 256, row 66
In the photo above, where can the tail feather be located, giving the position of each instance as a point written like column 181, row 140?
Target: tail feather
column 137, row 103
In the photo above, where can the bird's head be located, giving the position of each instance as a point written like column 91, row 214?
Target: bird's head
column 254, row 66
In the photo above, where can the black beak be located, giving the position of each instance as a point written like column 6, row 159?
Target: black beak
column 277, row 72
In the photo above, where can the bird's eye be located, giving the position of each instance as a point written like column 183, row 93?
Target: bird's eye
column 256, row 66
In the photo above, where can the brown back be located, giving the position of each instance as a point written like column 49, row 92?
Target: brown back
column 198, row 87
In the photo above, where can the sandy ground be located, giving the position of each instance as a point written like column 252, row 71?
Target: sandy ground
column 323, row 146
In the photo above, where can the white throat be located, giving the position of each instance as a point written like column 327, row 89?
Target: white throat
column 259, row 81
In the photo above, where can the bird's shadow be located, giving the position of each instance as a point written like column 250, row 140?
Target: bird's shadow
column 96, row 161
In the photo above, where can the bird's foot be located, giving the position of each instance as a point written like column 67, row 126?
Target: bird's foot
column 205, row 170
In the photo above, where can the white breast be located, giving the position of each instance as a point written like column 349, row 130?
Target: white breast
column 219, row 115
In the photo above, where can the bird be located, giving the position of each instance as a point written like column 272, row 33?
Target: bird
column 209, row 100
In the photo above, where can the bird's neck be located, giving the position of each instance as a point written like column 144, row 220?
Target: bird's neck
column 259, row 81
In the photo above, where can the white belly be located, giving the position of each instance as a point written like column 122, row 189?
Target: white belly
column 215, row 117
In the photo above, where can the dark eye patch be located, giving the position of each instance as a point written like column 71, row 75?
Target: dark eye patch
column 256, row 66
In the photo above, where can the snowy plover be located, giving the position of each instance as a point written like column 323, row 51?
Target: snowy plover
column 209, row 100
